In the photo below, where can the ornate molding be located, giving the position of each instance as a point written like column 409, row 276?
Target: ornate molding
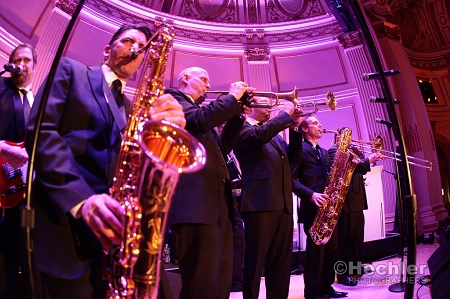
column 257, row 54
column 235, row 37
column 436, row 63
column 250, row 34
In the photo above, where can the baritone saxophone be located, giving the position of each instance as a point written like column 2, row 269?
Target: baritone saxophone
column 341, row 173
column 153, row 154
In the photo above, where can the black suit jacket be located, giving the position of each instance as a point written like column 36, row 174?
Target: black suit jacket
column 356, row 199
column 12, row 122
column 310, row 176
column 265, row 165
column 199, row 196
column 77, row 151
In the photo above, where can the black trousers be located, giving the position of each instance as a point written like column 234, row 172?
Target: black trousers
column 268, row 246
column 205, row 258
column 319, row 264
column 350, row 240
column 11, row 252
column 238, row 251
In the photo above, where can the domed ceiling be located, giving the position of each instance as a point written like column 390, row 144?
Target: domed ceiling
column 239, row 12
column 424, row 25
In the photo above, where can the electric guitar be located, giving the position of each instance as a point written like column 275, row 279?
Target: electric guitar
column 12, row 181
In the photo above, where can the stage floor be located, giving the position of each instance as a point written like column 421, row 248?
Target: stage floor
column 374, row 285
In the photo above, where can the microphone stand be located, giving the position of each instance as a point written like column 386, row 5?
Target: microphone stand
column 400, row 286
column 405, row 190
column 27, row 211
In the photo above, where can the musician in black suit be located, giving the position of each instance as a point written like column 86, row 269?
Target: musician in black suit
column 16, row 98
column 266, row 199
column 200, row 215
column 309, row 184
column 76, row 156
column 238, row 223
column 350, row 226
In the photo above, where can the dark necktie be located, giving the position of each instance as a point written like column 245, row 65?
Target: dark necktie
column 26, row 105
column 319, row 153
column 116, row 89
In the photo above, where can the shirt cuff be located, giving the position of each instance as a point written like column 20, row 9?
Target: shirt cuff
column 76, row 210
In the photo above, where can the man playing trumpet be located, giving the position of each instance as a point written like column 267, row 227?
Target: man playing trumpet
column 266, row 199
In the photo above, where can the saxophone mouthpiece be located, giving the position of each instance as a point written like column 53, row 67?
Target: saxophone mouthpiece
column 330, row 131
column 134, row 54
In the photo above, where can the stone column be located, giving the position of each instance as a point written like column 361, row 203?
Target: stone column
column 353, row 46
column 51, row 36
column 413, row 119
column 258, row 68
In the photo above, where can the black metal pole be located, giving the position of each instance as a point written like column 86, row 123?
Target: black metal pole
column 27, row 211
column 399, row 286
column 404, row 172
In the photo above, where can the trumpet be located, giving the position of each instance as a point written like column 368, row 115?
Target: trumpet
column 274, row 98
column 292, row 96
column 330, row 102
column 377, row 146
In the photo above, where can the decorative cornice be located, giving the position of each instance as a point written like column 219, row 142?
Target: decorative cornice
column 257, row 54
column 436, row 63
column 200, row 33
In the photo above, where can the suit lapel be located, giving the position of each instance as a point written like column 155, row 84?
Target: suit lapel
column 310, row 149
column 96, row 79
column 276, row 144
column 101, row 90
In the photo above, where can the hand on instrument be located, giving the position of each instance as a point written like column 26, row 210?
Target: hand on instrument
column 237, row 89
column 166, row 107
column 104, row 216
column 374, row 157
column 319, row 199
column 246, row 110
column 297, row 117
column 14, row 155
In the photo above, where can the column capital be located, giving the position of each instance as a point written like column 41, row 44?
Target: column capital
column 257, row 54
column 351, row 39
column 68, row 6
column 386, row 29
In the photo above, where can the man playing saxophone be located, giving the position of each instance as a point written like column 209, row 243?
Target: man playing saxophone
column 310, row 178
column 76, row 219
column 350, row 227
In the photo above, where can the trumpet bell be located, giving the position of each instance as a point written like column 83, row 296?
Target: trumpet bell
column 331, row 100
column 291, row 96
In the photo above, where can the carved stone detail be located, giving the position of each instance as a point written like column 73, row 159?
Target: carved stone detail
column 386, row 29
column 249, row 34
column 257, row 54
column 67, row 6
column 260, row 34
column 351, row 39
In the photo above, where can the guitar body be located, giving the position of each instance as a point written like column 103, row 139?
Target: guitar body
column 12, row 182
